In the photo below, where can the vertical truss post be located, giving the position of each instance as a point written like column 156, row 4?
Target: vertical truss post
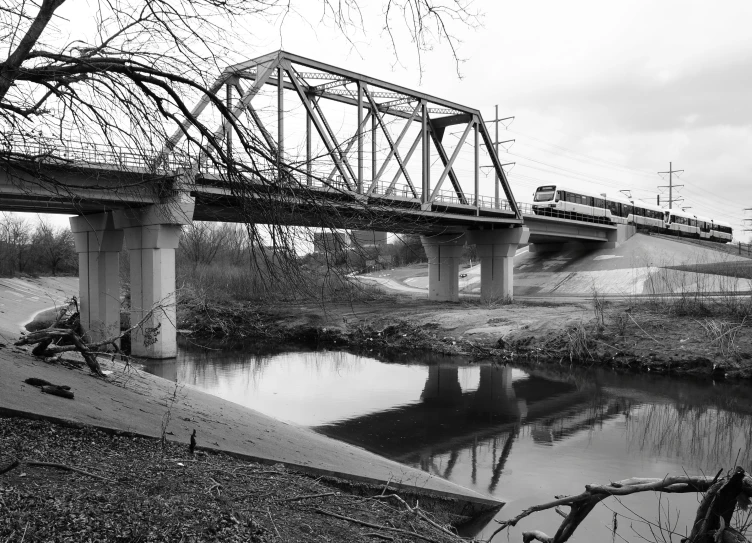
column 228, row 134
column 374, row 123
column 496, row 154
column 280, row 121
column 426, row 184
column 308, row 145
column 360, row 137
column 476, row 169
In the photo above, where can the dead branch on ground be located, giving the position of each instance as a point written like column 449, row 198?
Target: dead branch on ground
column 722, row 495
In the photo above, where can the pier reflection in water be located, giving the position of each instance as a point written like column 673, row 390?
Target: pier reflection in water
column 522, row 435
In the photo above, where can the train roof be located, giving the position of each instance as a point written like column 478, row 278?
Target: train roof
column 722, row 223
column 620, row 198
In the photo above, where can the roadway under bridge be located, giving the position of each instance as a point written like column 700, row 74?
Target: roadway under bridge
column 401, row 161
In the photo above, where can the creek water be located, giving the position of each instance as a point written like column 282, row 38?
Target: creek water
column 520, row 434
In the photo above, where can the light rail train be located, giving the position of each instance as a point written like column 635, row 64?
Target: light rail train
column 574, row 204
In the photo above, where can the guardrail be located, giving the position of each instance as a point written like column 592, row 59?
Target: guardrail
column 81, row 152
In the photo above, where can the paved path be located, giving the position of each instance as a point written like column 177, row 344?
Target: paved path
column 134, row 401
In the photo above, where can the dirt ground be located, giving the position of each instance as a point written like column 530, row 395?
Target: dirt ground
column 134, row 489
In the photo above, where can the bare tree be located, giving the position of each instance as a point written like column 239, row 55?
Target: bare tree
column 131, row 78
column 53, row 246
column 15, row 234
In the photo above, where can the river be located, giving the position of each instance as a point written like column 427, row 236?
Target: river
column 520, row 434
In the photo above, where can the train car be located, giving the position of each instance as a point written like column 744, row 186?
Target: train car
column 647, row 216
column 578, row 205
column 681, row 223
column 721, row 231
column 705, row 225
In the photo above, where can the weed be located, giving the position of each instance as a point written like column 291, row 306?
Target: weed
column 578, row 343
column 724, row 334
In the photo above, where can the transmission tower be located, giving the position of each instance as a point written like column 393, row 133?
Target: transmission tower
column 671, row 171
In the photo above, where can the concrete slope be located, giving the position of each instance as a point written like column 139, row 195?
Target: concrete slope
column 133, row 401
column 642, row 265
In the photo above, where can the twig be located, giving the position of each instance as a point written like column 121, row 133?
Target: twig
column 268, row 512
column 640, row 327
column 307, row 497
column 375, row 526
column 67, row 468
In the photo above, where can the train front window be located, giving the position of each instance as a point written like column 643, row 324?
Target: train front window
column 545, row 194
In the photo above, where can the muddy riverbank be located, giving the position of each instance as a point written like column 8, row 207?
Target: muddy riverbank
column 627, row 335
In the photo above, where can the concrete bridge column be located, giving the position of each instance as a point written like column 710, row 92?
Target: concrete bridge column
column 495, row 250
column 152, row 234
column 443, row 252
column 98, row 244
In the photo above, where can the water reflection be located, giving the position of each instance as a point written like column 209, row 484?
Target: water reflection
column 520, row 434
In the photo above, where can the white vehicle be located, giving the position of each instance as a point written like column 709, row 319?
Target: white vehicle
column 577, row 205
column 574, row 204
column 648, row 216
column 721, row 231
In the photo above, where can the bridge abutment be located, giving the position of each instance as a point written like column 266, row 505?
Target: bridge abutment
column 98, row 244
column 443, row 252
column 496, row 250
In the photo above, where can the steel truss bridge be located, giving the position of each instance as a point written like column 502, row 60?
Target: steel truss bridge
column 371, row 166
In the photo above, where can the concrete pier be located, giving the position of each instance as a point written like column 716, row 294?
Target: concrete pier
column 496, row 250
column 98, row 244
column 443, row 252
column 151, row 235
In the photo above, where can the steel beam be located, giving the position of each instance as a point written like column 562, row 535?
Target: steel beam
column 443, row 156
column 450, row 164
column 250, row 110
column 393, row 147
column 337, row 147
column 360, row 137
column 360, row 150
column 309, row 179
column 499, row 170
column 476, row 156
column 407, row 159
column 312, row 115
column 426, row 154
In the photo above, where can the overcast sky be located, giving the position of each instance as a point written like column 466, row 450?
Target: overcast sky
column 604, row 94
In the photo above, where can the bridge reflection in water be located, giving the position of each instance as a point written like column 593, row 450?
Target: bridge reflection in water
column 448, row 423
column 522, row 435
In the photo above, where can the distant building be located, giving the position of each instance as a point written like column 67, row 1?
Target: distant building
column 368, row 238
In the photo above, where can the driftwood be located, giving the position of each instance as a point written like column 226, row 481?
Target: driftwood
column 66, row 468
column 711, row 523
column 48, row 341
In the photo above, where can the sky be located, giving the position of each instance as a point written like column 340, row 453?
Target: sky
column 604, row 95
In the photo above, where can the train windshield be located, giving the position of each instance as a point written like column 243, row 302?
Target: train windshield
column 544, row 194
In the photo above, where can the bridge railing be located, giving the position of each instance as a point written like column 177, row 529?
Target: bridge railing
column 86, row 153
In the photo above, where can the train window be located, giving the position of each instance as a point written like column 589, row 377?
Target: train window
column 571, row 197
column 561, row 195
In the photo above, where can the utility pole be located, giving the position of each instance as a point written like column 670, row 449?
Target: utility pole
column 671, row 171
column 496, row 142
